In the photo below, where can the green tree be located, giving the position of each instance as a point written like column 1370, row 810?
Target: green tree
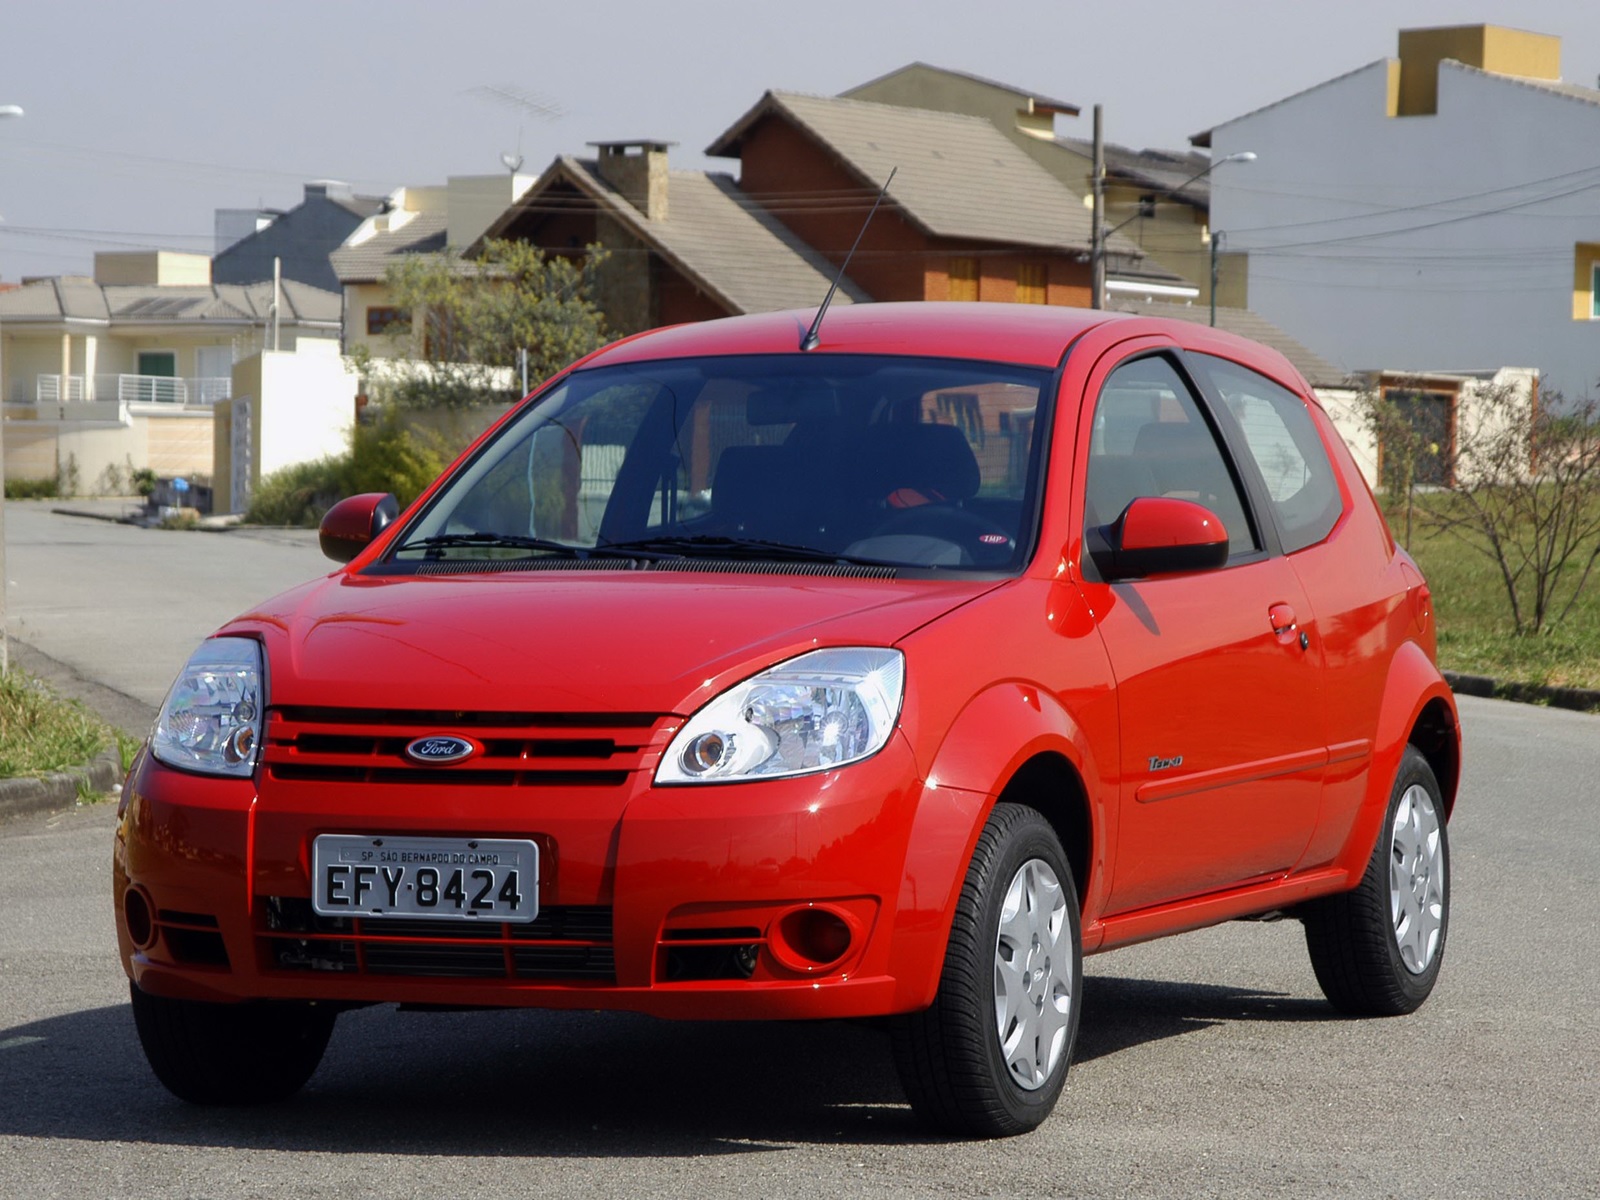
column 473, row 318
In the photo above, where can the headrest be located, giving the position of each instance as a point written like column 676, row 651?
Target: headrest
column 932, row 459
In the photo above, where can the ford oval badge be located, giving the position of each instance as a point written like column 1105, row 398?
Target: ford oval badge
column 440, row 750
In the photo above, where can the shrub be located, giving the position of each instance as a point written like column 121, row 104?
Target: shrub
column 385, row 455
column 31, row 489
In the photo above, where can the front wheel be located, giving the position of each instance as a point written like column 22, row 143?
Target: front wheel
column 231, row 1053
column 1376, row 950
column 989, row 1058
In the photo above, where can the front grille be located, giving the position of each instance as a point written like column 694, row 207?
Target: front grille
column 324, row 745
column 571, row 942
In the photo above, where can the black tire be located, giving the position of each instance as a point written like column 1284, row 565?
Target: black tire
column 950, row 1057
column 1356, row 950
column 231, row 1054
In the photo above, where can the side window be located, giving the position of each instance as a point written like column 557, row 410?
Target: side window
column 1150, row 439
column 1282, row 439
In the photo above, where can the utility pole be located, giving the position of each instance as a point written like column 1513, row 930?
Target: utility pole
column 1097, row 236
column 6, row 110
column 1216, row 244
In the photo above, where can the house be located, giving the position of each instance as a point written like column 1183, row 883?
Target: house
column 1158, row 198
column 150, row 326
column 298, row 241
column 413, row 220
column 121, row 370
column 967, row 216
column 680, row 245
column 1432, row 213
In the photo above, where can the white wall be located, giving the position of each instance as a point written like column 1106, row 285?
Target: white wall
column 307, row 402
column 1455, row 285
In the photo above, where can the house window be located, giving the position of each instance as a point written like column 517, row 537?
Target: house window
column 381, row 317
column 1594, row 291
column 1416, row 447
column 963, row 279
column 1031, row 283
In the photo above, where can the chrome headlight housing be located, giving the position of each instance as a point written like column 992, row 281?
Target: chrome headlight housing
column 212, row 718
column 816, row 712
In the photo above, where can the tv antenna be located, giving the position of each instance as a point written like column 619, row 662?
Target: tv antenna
column 531, row 104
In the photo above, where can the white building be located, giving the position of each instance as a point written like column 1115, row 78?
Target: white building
column 1439, row 212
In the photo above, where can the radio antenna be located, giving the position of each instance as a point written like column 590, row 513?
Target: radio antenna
column 813, row 335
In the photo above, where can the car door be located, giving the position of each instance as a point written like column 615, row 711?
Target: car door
column 1218, row 688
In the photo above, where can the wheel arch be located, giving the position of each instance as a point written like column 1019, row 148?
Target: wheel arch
column 1437, row 736
column 1013, row 742
column 1049, row 784
column 1418, row 709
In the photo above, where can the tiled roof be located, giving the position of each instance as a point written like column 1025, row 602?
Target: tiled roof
column 1319, row 372
column 1039, row 101
column 1165, row 172
column 955, row 176
column 366, row 261
column 729, row 246
column 82, row 299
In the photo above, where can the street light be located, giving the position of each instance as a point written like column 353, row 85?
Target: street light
column 1100, row 235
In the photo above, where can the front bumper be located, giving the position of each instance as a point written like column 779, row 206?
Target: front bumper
column 775, row 899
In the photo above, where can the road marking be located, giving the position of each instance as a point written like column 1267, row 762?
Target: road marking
column 14, row 1043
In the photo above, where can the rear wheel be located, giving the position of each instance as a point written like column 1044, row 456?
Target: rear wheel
column 989, row 1058
column 1377, row 949
column 231, row 1053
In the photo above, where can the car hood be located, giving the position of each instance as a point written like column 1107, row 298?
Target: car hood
column 568, row 642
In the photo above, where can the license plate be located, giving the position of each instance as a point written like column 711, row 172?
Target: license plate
column 453, row 879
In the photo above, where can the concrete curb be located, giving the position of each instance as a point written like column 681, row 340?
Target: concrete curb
column 50, row 793
column 1578, row 699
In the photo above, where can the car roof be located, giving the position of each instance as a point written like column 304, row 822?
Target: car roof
column 1027, row 334
column 1033, row 335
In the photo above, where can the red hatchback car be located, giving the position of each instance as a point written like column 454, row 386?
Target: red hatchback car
column 729, row 679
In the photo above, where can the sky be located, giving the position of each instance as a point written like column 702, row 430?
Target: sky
column 142, row 117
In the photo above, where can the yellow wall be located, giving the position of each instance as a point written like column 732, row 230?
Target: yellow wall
column 151, row 268
column 358, row 297
column 1487, row 47
column 1585, row 256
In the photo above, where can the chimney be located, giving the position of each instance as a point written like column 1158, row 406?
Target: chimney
column 333, row 189
column 639, row 171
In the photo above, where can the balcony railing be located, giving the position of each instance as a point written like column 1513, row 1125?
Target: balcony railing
column 148, row 389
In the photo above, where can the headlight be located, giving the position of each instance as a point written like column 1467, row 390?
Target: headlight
column 812, row 713
column 211, row 719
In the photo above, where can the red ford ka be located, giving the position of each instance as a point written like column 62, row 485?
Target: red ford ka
column 727, row 678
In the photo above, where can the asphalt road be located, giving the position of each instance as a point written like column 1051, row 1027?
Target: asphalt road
column 1208, row 1065
column 111, row 612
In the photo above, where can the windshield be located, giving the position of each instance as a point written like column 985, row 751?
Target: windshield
column 905, row 462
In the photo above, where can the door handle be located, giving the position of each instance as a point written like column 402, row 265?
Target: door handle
column 1285, row 628
column 1282, row 618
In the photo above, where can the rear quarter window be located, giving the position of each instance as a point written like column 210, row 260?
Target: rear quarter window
column 1281, row 438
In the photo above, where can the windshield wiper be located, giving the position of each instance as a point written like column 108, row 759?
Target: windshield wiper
column 516, row 541
column 740, row 547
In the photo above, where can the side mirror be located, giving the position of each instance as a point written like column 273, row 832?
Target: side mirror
column 1157, row 535
column 350, row 525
